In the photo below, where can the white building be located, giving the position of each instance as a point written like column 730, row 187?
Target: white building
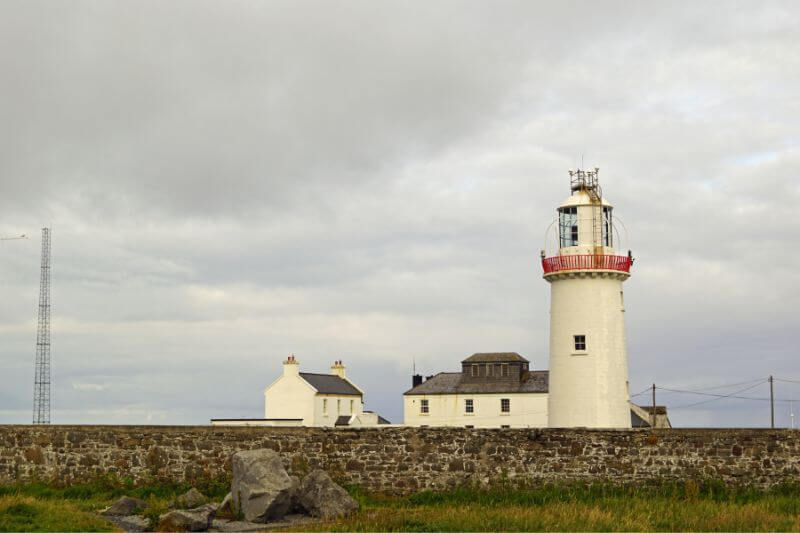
column 492, row 390
column 588, row 354
column 587, row 385
column 307, row 399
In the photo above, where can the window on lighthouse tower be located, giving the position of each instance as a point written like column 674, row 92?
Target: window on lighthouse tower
column 580, row 342
column 568, row 226
column 607, row 227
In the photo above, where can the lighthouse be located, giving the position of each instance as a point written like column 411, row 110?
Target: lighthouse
column 588, row 356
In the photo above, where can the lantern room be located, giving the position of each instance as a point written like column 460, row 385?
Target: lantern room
column 586, row 231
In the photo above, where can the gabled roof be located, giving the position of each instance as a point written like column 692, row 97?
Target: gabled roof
column 330, row 384
column 495, row 357
column 451, row 383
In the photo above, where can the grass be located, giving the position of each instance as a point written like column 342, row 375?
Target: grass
column 675, row 507
column 680, row 507
column 26, row 513
column 43, row 507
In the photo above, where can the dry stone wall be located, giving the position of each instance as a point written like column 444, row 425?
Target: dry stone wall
column 402, row 460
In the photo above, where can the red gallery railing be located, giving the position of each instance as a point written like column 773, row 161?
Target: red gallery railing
column 561, row 263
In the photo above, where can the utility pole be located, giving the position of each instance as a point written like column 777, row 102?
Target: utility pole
column 771, row 403
column 41, row 380
column 653, row 416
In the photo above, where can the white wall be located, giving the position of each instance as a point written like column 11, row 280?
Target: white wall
column 256, row 422
column 290, row 397
column 588, row 389
column 329, row 419
column 527, row 410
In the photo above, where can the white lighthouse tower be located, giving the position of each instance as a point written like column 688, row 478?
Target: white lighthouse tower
column 588, row 357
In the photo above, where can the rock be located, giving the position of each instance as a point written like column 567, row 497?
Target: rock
column 261, row 489
column 125, row 506
column 130, row 523
column 198, row 519
column 235, row 525
column 226, row 507
column 323, row 498
column 288, row 521
column 189, row 500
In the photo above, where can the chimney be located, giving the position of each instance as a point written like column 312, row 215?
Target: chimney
column 337, row 369
column 291, row 367
column 416, row 380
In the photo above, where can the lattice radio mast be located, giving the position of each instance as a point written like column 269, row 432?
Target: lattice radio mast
column 41, row 380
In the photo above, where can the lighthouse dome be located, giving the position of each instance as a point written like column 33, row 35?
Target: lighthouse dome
column 582, row 197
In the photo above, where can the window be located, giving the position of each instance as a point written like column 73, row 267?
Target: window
column 351, row 407
column 338, row 407
column 504, row 370
column 505, row 405
column 469, row 427
column 580, row 342
column 498, row 369
column 488, row 370
column 423, row 407
column 469, row 407
column 568, row 226
column 324, row 406
column 607, row 227
column 474, row 371
column 505, row 426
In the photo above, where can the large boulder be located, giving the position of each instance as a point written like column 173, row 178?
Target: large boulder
column 125, row 506
column 323, row 498
column 261, row 489
column 198, row 519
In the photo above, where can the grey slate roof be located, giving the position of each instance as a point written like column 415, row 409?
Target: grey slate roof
column 343, row 420
column 330, row 384
column 495, row 357
column 451, row 383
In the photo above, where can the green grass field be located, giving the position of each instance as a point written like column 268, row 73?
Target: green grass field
column 684, row 507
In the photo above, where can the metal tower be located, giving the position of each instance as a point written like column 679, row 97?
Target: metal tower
column 41, row 380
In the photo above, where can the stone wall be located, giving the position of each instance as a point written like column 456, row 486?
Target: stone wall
column 402, row 460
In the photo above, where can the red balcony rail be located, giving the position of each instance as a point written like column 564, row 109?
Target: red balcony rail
column 562, row 263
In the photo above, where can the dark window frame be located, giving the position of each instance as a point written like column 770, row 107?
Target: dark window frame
column 469, row 406
column 580, row 342
column 505, row 405
column 568, row 226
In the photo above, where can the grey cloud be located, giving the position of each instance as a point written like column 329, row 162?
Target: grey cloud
column 232, row 182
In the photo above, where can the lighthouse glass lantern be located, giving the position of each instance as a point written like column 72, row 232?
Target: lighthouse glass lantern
column 588, row 354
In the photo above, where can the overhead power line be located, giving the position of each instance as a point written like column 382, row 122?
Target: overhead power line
column 720, row 397
column 725, row 395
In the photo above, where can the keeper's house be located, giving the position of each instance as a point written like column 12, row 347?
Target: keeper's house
column 495, row 390
column 308, row 399
column 492, row 390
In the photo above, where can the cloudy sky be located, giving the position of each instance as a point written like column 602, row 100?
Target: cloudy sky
column 231, row 182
